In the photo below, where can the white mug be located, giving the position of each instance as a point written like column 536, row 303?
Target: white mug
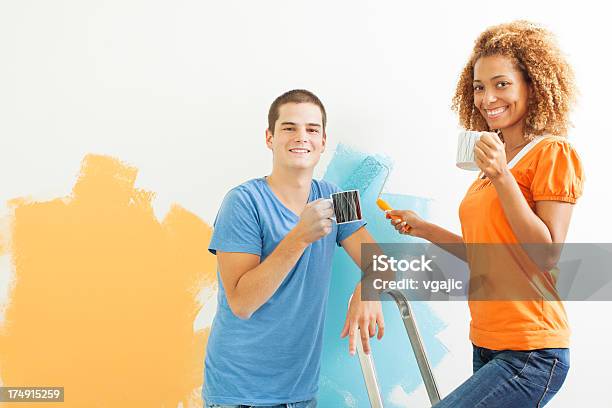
column 465, row 149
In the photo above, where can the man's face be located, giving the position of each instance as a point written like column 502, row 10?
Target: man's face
column 299, row 138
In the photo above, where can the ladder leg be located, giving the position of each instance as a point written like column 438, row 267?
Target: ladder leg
column 369, row 375
column 417, row 345
column 366, row 361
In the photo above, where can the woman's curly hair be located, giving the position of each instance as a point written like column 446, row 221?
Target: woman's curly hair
column 536, row 54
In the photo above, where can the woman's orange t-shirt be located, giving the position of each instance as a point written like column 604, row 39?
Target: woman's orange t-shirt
column 551, row 170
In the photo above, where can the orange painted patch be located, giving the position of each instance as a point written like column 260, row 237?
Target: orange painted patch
column 105, row 296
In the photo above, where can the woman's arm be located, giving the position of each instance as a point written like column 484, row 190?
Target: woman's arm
column 542, row 232
column 410, row 223
column 547, row 225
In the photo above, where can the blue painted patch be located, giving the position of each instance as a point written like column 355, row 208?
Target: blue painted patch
column 341, row 382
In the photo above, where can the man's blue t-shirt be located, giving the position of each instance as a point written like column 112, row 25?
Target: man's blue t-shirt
column 275, row 356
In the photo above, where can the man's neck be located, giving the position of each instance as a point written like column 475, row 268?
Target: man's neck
column 292, row 187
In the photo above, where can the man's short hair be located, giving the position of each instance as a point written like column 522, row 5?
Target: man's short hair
column 294, row 96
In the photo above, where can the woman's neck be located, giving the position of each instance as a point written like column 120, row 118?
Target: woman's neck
column 514, row 137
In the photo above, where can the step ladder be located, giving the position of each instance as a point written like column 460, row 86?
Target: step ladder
column 367, row 361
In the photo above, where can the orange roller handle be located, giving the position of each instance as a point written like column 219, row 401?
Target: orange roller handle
column 383, row 205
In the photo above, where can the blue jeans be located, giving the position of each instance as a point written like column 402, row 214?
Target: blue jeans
column 511, row 379
column 303, row 404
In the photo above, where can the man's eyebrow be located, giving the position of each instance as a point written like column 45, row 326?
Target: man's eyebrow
column 295, row 124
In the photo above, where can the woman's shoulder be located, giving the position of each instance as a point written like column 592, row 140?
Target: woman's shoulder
column 556, row 171
column 551, row 142
column 552, row 148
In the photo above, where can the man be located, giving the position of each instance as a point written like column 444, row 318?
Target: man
column 274, row 240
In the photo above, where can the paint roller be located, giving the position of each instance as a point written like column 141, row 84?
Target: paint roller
column 363, row 177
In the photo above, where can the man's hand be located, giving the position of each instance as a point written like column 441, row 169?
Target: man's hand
column 315, row 221
column 363, row 316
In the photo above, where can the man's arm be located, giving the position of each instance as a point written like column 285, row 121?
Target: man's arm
column 248, row 283
column 362, row 315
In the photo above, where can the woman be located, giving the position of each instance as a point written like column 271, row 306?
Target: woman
column 518, row 88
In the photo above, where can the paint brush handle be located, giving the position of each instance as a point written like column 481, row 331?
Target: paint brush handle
column 383, row 205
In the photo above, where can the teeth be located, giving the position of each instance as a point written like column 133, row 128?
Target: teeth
column 496, row 111
column 299, row 150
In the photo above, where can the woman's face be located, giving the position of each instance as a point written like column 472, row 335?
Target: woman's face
column 500, row 92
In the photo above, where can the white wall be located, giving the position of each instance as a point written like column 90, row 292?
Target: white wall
column 180, row 89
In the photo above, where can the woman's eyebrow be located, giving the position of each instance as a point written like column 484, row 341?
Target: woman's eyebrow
column 493, row 78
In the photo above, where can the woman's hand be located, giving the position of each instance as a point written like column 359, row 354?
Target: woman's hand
column 407, row 222
column 490, row 155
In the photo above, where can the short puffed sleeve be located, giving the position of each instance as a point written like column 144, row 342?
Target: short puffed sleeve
column 558, row 175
